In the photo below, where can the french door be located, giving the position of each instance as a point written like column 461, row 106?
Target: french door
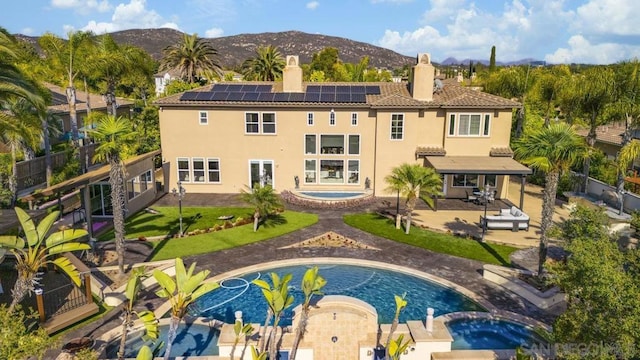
column 261, row 172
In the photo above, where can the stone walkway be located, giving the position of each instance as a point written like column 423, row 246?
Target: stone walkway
column 464, row 272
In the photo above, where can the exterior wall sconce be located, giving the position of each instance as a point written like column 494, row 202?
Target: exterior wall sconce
column 334, row 339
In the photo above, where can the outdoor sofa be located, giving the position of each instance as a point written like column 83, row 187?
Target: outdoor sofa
column 508, row 219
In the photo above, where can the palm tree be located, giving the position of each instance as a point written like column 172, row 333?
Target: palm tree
column 311, row 285
column 264, row 200
column 401, row 303
column 114, row 136
column 278, row 300
column 412, row 182
column 39, row 248
column 181, row 292
column 552, row 150
column 266, row 65
column 192, row 57
column 134, row 284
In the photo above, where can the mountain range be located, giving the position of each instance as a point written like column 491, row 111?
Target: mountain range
column 233, row 50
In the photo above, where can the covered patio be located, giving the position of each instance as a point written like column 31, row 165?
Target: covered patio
column 498, row 168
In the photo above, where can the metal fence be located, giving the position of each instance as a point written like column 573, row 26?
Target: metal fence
column 64, row 298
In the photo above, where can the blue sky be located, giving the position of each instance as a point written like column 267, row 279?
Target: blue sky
column 558, row 31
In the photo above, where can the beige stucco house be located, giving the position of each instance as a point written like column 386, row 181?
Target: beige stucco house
column 336, row 136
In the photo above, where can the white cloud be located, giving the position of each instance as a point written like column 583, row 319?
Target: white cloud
column 390, row 1
column 132, row 15
column 313, row 5
column 213, row 33
column 27, row 31
column 83, row 6
column 441, row 10
column 580, row 50
column 608, row 17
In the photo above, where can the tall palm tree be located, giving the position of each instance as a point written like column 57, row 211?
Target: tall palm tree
column 39, row 248
column 413, row 181
column 114, row 135
column 266, row 65
column 192, row 57
column 264, row 200
column 186, row 288
column 278, row 300
column 552, row 150
column 65, row 59
column 312, row 284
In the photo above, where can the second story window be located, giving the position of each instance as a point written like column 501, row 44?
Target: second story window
column 469, row 125
column 268, row 123
column 397, row 126
column 252, row 125
column 332, row 118
column 204, row 118
column 310, row 119
column 354, row 119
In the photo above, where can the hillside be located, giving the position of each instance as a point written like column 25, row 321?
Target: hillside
column 233, row 50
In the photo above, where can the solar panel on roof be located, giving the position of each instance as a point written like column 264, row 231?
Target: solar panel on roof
column 203, row 95
column 220, row 87
column 263, row 88
column 250, row 96
column 280, row 97
column 296, row 97
column 342, row 89
column 372, row 90
column 312, row 97
column 328, row 88
column 220, row 95
column 235, row 96
column 265, row 96
column 313, row 88
column 327, row 97
column 357, row 89
column 234, row 87
column 358, row 98
column 188, row 96
column 249, row 88
column 343, row 98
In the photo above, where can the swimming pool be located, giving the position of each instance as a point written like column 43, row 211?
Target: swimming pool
column 331, row 195
column 488, row 333
column 373, row 285
column 191, row 340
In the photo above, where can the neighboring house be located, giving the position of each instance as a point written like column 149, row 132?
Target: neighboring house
column 60, row 107
column 336, row 136
column 609, row 139
column 162, row 79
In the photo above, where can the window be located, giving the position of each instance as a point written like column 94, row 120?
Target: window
column 213, row 170
column 252, row 125
column 198, row 170
column 470, row 125
column 268, row 123
column 452, row 124
column 310, row 119
column 353, row 171
column 310, row 144
column 309, row 171
column 490, row 180
column 139, row 184
column 183, row 169
column 332, row 144
column 397, row 126
column 465, row 180
column 487, row 123
column 204, row 118
column 354, row 119
column 332, row 171
column 146, row 181
column 332, row 118
column 354, row 144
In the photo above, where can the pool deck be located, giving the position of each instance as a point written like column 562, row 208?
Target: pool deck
column 462, row 272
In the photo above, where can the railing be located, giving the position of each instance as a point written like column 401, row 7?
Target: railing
column 34, row 172
column 64, row 298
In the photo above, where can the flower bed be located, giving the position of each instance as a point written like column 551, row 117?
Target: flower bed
column 293, row 199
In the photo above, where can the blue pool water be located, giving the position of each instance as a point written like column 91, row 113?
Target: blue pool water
column 327, row 195
column 490, row 334
column 192, row 340
column 372, row 285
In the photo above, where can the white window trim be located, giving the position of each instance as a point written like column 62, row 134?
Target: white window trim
column 453, row 185
column 310, row 119
column 207, row 170
column 188, row 170
column 193, row 170
column 315, row 171
column 262, row 162
column 345, row 139
column 247, row 123
column 136, row 180
column 391, row 127
column 456, row 123
column 304, row 144
column 205, row 118
column 261, row 121
column 354, row 119
column 359, row 145
column 347, row 171
column 332, row 118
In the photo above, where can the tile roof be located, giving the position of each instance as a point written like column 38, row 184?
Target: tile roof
column 59, row 100
column 609, row 134
column 392, row 95
column 430, row 150
column 501, row 151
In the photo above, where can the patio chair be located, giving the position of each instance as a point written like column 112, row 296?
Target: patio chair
column 471, row 197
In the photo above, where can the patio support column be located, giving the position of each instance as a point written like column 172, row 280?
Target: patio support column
column 40, row 303
column 522, row 182
column 87, row 287
column 86, row 199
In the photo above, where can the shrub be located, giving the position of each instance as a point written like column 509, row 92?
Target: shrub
column 228, row 224
column 217, row 227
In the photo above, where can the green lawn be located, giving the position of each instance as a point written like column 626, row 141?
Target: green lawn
column 226, row 239
column 167, row 221
column 434, row 241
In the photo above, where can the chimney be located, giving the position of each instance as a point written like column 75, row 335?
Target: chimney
column 423, row 76
column 292, row 75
